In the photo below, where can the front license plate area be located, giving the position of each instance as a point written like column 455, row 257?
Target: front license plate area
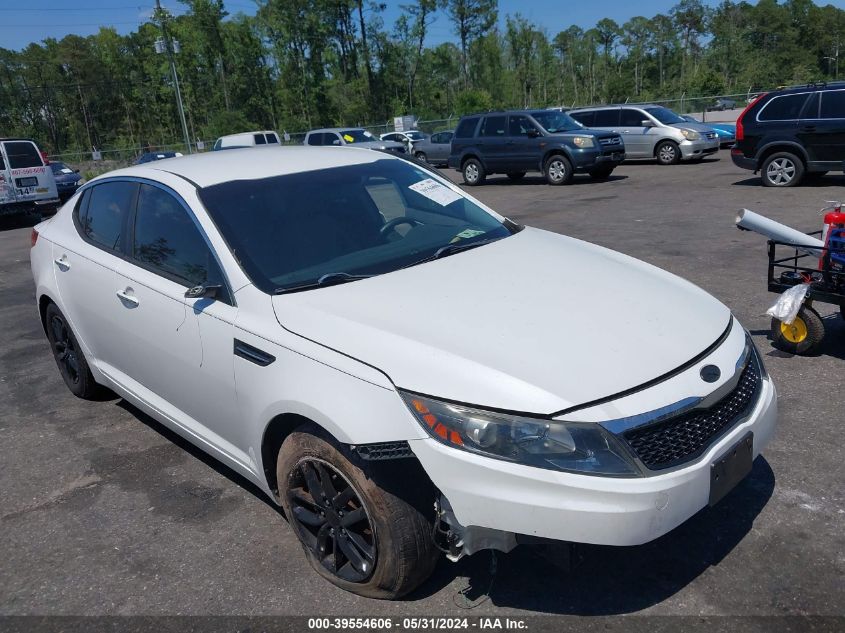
column 731, row 468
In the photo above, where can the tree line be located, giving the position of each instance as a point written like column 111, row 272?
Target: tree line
column 298, row 64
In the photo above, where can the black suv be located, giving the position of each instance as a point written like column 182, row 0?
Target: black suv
column 548, row 141
column 791, row 133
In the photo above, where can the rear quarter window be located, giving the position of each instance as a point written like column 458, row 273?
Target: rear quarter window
column 606, row 118
column 833, row 105
column 783, row 108
column 22, row 154
column 108, row 207
column 466, row 128
column 259, row 139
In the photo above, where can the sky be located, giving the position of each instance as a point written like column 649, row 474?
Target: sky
column 25, row 21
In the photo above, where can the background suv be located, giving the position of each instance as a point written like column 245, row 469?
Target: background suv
column 547, row 141
column 652, row 131
column 790, row 133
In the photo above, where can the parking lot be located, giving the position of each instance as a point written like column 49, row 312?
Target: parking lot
column 106, row 512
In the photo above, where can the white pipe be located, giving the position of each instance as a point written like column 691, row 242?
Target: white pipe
column 751, row 221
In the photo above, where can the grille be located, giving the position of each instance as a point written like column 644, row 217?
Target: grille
column 687, row 435
column 384, row 450
column 711, row 136
column 611, row 140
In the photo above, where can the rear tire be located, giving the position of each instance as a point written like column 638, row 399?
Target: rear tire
column 385, row 552
column 421, row 156
column 668, row 153
column 473, row 172
column 558, row 170
column 803, row 336
column 68, row 355
column 782, row 169
column 516, row 175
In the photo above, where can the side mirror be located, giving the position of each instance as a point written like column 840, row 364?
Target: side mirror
column 75, row 171
column 647, row 123
column 202, row 292
column 533, row 133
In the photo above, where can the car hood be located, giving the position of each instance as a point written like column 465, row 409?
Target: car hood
column 698, row 127
column 536, row 322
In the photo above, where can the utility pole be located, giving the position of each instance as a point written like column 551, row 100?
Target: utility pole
column 167, row 46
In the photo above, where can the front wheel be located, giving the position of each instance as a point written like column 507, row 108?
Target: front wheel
column 421, row 156
column 668, row 153
column 782, row 170
column 558, row 170
column 355, row 534
column 473, row 172
column 803, row 336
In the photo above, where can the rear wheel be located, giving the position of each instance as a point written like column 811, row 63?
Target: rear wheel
column 355, row 534
column 421, row 156
column 802, row 336
column 473, row 172
column 782, row 169
column 668, row 153
column 601, row 173
column 69, row 357
column 516, row 175
column 558, row 170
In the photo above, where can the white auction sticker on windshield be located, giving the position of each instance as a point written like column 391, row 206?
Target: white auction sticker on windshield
column 434, row 191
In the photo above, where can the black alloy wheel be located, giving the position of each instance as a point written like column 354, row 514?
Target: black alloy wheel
column 331, row 520
column 64, row 349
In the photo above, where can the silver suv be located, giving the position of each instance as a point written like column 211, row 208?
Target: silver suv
column 652, row 131
column 359, row 137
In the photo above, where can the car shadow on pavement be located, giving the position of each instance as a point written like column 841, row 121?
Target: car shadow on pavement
column 579, row 179
column 823, row 182
column 605, row 580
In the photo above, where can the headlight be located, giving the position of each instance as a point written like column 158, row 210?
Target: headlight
column 543, row 443
column 690, row 135
column 583, row 141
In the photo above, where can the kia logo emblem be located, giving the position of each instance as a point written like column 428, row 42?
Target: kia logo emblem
column 710, row 373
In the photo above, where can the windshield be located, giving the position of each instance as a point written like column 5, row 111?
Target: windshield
column 59, row 168
column 357, row 136
column 554, row 122
column 664, row 115
column 369, row 219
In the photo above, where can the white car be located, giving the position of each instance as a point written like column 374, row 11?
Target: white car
column 388, row 359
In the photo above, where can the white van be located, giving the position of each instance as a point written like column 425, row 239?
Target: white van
column 26, row 182
column 246, row 139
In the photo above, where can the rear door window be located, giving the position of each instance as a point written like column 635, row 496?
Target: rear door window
column 606, row 118
column 584, row 118
column 103, row 221
column 493, row 126
column 833, row 105
column 466, row 128
column 783, row 108
column 22, row 154
column 166, row 240
column 315, row 139
column 272, row 138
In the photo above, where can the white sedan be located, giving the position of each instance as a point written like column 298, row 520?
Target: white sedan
column 399, row 367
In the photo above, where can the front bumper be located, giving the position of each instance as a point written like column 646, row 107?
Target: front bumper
column 590, row 158
column 520, row 499
column 697, row 149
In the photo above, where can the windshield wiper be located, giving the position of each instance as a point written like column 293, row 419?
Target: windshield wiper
column 451, row 249
column 329, row 279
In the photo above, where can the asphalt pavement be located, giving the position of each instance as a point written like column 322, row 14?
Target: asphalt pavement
column 105, row 512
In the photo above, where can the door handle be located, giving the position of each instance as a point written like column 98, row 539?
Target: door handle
column 62, row 263
column 129, row 300
column 808, row 128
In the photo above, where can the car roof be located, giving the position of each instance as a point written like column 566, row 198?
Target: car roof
column 246, row 134
column 211, row 168
column 833, row 85
column 336, row 129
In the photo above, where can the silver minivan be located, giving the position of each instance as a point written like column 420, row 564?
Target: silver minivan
column 652, row 131
column 27, row 184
